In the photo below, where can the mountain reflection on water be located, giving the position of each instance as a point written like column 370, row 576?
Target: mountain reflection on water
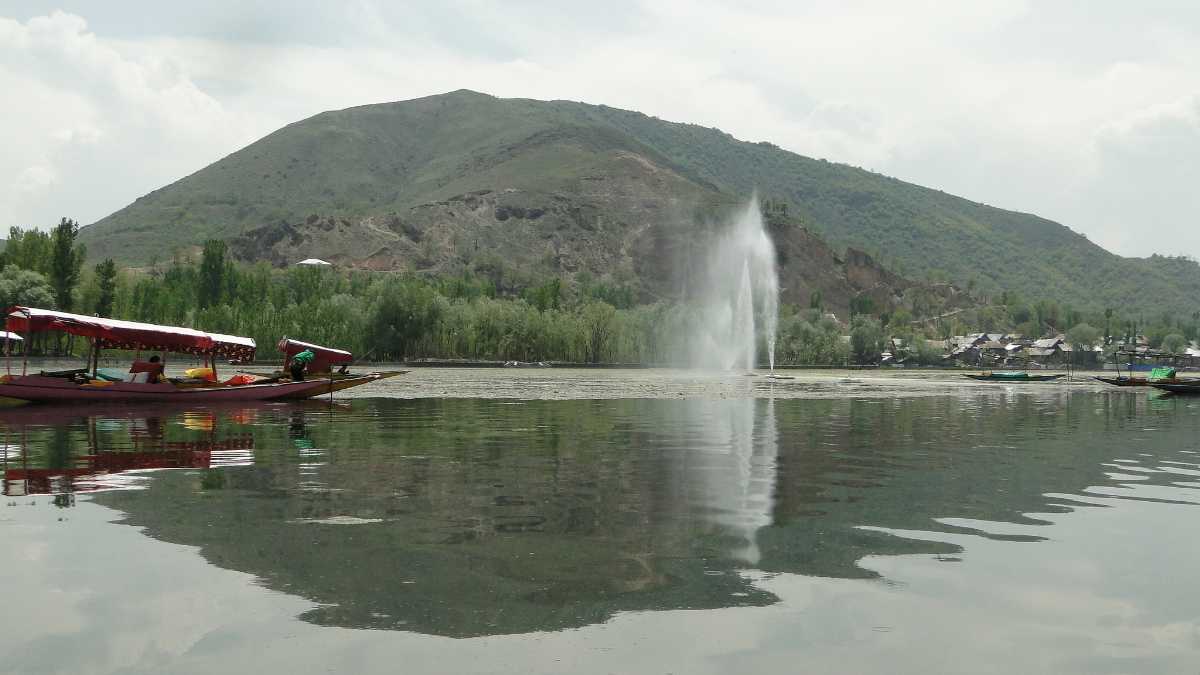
column 476, row 517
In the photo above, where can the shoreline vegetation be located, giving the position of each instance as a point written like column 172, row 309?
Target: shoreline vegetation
column 491, row 315
column 117, row 358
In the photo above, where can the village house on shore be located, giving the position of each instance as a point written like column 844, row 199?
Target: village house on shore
column 1013, row 350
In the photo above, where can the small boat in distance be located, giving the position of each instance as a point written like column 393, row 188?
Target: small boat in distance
column 1159, row 375
column 1012, row 376
column 1125, row 381
column 91, row 384
column 1181, row 386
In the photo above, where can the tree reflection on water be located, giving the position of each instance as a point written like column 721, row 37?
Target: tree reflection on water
column 476, row 517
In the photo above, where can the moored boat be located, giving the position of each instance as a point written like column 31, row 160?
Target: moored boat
column 1012, row 376
column 1159, row 375
column 90, row 385
column 1180, row 386
column 1125, row 381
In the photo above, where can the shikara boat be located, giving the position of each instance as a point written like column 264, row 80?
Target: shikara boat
column 1012, row 376
column 1134, row 381
column 1181, row 386
column 1125, row 381
column 86, row 385
column 1159, row 375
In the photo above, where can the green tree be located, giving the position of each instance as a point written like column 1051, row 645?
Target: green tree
column 106, row 280
column 598, row 319
column 866, row 339
column 861, row 304
column 546, row 296
column 1023, row 314
column 807, row 338
column 925, row 353
column 404, row 313
column 1048, row 313
column 901, row 320
column 66, row 262
column 27, row 249
column 211, row 287
column 1083, row 336
column 1174, row 343
column 23, row 287
column 1156, row 333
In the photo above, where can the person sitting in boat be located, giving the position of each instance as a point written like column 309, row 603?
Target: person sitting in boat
column 300, row 364
column 147, row 371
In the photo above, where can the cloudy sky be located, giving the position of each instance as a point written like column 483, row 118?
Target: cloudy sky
column 1087, row 113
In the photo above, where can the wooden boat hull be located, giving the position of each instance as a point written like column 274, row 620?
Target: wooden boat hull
column 1189, row 387
column 41, row 389
column 1125, row 381
column 1024, row 377
column 1139, row 381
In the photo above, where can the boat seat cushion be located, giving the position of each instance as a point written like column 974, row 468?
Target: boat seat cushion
column 111, row 374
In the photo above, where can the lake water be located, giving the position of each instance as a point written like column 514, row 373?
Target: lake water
column 695, row 524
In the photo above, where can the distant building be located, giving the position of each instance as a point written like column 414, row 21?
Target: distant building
column 894, row 351
column 1016, row 350
column 1049, row 343
column 314, row 262
column 992, row 346
column 972, row 348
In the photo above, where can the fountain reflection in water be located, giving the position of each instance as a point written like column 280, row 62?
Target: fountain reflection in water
column 739, row 299
column 731, row 469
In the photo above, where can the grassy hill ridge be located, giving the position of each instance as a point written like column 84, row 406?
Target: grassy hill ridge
column 622, row 174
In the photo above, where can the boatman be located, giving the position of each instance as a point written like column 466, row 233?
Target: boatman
column 153, row 370
column 300, row 364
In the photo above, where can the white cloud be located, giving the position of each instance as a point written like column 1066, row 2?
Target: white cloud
column 1142, row 191
column 89, row 129
column 1025, row 106
column 35, row 178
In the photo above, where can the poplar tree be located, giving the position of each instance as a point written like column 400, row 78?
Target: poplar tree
column 66, row 262
column 106, row 279
column 211, row 289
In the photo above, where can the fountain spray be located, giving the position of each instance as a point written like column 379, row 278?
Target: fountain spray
column 739, row 301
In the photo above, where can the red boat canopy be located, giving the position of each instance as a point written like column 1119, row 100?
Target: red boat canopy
column 116, row 334
column 324, row 356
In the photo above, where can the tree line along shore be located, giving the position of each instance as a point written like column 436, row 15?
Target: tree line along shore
column 394, row 316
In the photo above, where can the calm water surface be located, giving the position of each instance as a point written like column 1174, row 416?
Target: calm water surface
column 976, row 529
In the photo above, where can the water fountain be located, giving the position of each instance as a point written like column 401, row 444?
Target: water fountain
column 730, row 471
column 739, row 296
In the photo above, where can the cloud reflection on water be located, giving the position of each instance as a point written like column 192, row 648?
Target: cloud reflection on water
column 477, row 518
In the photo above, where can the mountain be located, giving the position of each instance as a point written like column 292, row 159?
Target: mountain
column 554, row 187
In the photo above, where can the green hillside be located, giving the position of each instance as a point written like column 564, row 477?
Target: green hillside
column 424, row 184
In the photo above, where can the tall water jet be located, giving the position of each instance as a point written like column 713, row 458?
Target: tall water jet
column 743, row 332
column 739, row 296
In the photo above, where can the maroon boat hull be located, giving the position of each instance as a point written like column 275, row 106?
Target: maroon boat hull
column 42, row 389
